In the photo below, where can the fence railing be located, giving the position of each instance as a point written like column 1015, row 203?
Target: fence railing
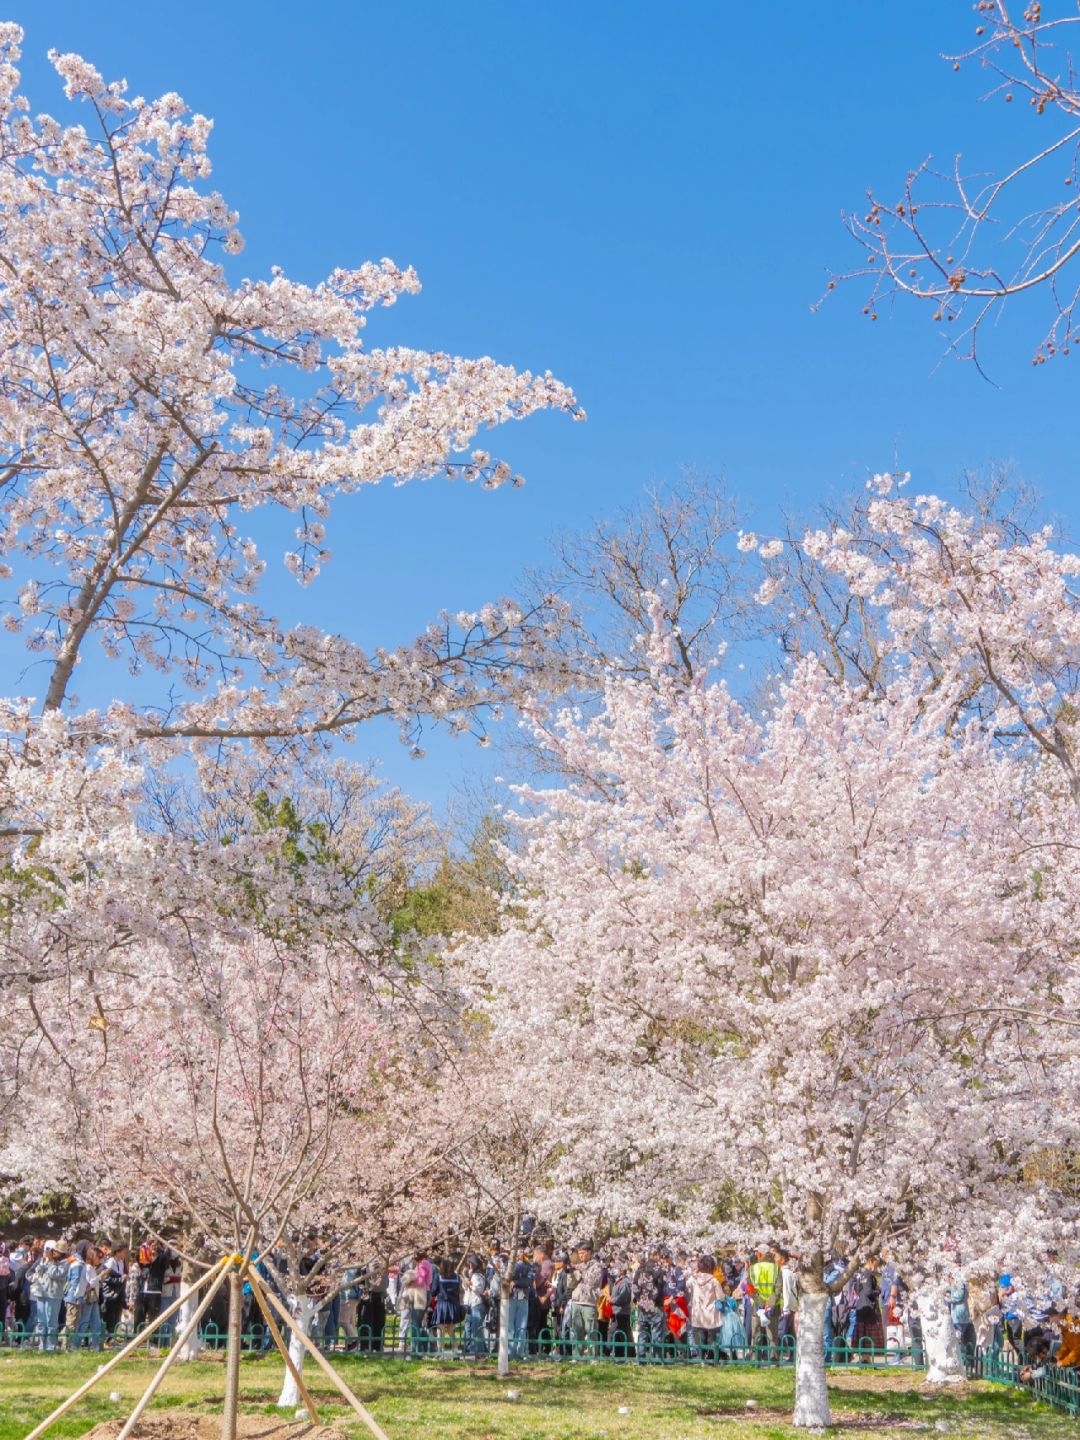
column 471, row 1341
column 1050, row 1383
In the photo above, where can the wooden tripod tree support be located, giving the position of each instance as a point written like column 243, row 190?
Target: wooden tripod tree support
column 132, row 1345
column 257, row 1283
column 236, row 1269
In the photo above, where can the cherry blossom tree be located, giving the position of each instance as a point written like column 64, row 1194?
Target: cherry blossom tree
column 777, row 921
column 256, row 1092
column 964, row 244
column 146, row 405
column 149, row 397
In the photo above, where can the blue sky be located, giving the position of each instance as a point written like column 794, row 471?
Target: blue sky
column 643, row 198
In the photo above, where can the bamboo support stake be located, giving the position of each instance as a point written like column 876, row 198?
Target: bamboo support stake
column 133, row 1344
column 322, row 1362
column 305, row 1394
column 177, row 1346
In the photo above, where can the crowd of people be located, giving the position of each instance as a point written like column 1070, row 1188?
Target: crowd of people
column 664, row 1303
column 84, row 1291
column 645, row 1304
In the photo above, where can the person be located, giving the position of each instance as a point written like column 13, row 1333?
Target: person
column 155, row 1260
column 892, row 1314
column 960, row 1314
column 47, row 1285
column 648, row 1291
column 590, row 1277
column 1011, row 1313
column 620, row 1334
column 24, row 1257
column 88, row 1327
column 540, row 1302
column 371, row 1309
column 474, row 1297
column 521, row 1285
column 559, row 1310
column 789, row 1297
column 603, row 1314
column 764, row 1280
column 75, row 1286
column 1038, row 1335
column 731, row 1338
column 866, row 1307
column 449, row 1311
column 706, row 1297
column 1067, row 1321
column 834, row 1322
column 985, row 1314
column 113, row 1286
column 414, row 1301
column 887, row 1280
column 349, row 1303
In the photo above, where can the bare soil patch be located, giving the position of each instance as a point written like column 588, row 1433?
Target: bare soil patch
column 184, row 1425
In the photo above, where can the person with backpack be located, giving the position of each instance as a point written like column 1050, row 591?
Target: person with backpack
column 647, row 1288
column 449, row 1311
column 518, row 1319
column 834, row 1323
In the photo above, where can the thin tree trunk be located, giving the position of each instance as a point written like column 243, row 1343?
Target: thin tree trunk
column 944, row 1358
column 504, row 1326
column 232, row 1357
column 192, row 1348
column 304, row 1309
column 811, row 1391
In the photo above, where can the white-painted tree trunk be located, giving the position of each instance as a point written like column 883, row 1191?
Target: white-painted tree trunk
column 192, row 1347
column 304, row 1309
column 811, row 1391
column 504, row 1326
column 944, row 1358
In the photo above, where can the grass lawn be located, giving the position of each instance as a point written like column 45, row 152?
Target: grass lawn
column 443, row 1401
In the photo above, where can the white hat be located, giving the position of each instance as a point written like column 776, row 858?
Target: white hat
column 50, row 1245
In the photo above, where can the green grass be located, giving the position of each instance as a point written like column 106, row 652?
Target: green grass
column 444, row 1401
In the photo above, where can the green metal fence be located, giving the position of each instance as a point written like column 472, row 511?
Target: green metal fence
column 1049, row 1383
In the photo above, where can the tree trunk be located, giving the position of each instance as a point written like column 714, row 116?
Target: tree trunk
column 811, row 1392
column 504, row 1325
column 193, row 1348
column 944, row 1358
column 232, row 1357
column 304, row 1310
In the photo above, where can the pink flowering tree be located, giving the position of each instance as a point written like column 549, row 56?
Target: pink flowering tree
column 150, row 397
column 783, row 944
column 255, row 1093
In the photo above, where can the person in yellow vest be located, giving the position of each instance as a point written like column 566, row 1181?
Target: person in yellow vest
column 765, row 1278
